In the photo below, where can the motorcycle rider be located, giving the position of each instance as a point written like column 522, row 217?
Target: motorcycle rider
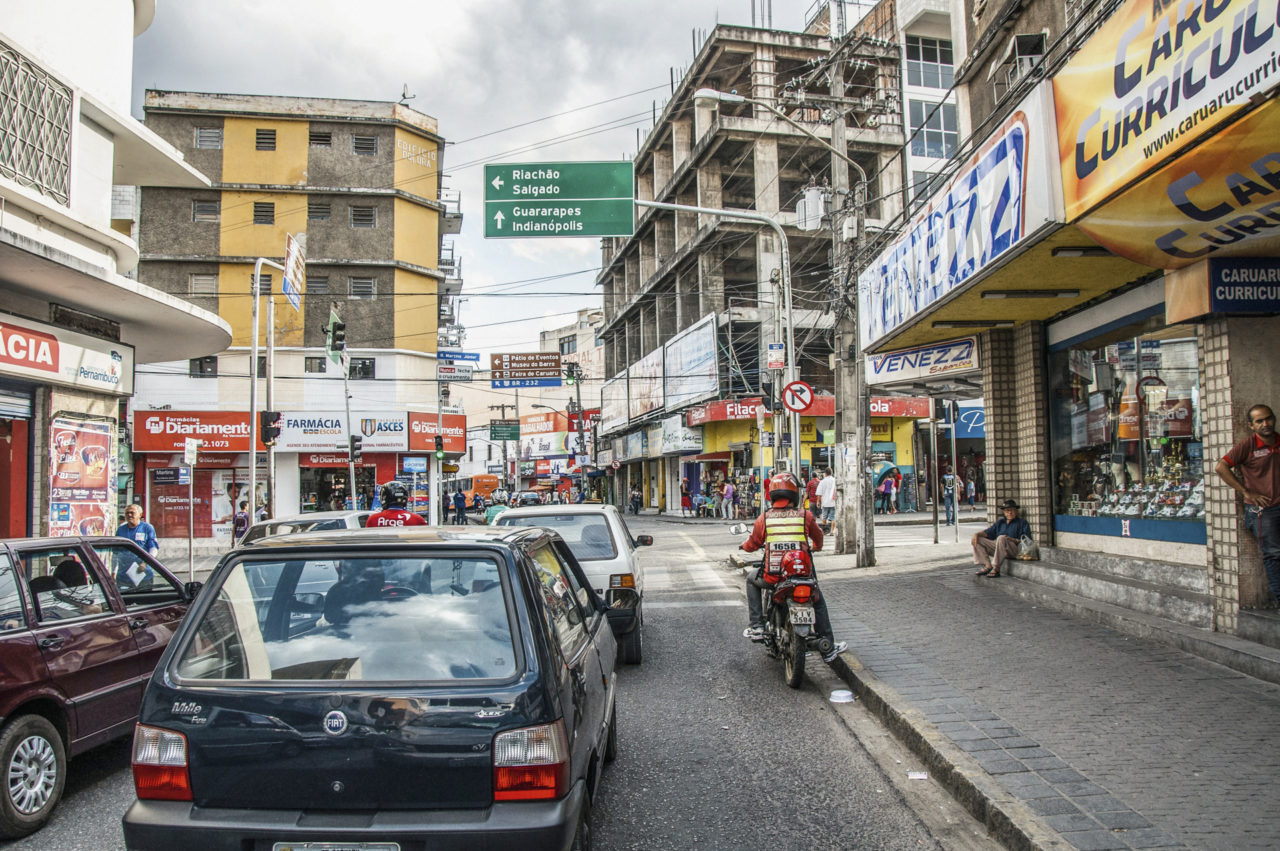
column 785, row 523
column 394, row 496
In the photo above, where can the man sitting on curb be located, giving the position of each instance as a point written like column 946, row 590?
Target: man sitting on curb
column 1000, row 540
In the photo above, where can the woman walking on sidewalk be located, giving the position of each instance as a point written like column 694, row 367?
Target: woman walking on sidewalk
column 686, row 503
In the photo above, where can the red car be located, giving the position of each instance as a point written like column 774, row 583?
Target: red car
column 83, row 622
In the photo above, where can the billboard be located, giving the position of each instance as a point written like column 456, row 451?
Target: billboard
column 613, row 403
column 644, row 384
column 57, row 356
column 1001, row 194
column 1156, row 77
column 166, row 431
column 690, row 365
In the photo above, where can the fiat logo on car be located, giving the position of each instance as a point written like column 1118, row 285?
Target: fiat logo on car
column 335, row 723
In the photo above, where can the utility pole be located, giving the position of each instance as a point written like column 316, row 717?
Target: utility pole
column 855, row 524
column 506, row 469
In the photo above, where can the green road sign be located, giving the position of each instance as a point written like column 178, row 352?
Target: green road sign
column 559, row 199
column 504, row 429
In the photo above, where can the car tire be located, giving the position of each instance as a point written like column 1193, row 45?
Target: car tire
column 582, row 836
column 611, row 738
column 34, row 763
column 631, row 652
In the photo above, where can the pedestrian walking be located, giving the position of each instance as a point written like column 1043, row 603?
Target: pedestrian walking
column 142, row 533
column 240, row 522
column 1252, row 469
column 949, row 494
column 827, row 498
column 971, row 491
column 999, row 541
column 884, row 492
column 893, row 494
column 459, row 508
column 726, row 505
column 686, row 501
column 636, row 497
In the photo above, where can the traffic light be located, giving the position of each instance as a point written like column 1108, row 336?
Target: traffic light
column 338, row 336
column 572, row 372
column 439, row 447
column 356, row 449
column 269, row 426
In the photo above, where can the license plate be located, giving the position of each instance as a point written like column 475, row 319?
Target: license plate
column 802, row 615
column 336, row 846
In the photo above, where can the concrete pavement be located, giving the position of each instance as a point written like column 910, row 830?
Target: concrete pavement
column 1054, row 731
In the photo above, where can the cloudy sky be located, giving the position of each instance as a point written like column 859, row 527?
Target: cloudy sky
column 508, row 81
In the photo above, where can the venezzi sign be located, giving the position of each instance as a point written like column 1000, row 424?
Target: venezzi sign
column 952, row 356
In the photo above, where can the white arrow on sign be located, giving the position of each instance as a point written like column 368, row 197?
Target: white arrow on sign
column 797, row 396
column 498, row 217
column 497, row 181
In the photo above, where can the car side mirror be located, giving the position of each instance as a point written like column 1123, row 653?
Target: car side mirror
column 644, row 540
column 191, row 589
column 308, row 604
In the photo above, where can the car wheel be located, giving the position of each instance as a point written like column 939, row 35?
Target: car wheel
column 611, row 738
column 35, row 766
column 632, row 650
column 582, row 836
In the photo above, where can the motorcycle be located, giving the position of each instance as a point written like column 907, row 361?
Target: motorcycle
column 789, row 591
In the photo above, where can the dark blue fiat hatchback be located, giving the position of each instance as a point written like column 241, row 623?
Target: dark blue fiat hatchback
column 381, row 690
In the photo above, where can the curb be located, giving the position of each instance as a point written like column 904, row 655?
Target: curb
column 1007, row 819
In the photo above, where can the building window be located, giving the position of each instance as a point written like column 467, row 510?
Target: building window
column 365, row 146
column 929, row 63
column 262, row 365
column 568, row 345
column 922, row 183
column 361, row 368
column 314, row 364
column 265, row 140
column 264, row 284
column 209, row 138
column 203, row 283
column 317, row 284
column 35, row 127
column 264, row 212
column 205, row 211
column 206, row 367
column 318, row 211
column 321, row 139
column 363, row 287
column 939, row 132
column 364, row 217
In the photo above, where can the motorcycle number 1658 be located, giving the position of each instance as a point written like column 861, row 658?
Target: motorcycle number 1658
column 785, row 545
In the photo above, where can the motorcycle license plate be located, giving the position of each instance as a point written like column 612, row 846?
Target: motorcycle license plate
column 802, row 615
column 785, row 546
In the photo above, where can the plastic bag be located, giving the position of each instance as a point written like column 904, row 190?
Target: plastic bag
column 1028, row 549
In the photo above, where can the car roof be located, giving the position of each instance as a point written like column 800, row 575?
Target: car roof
column 70, row 539
column 314, row 515
column 392, row 536
column 564, row 508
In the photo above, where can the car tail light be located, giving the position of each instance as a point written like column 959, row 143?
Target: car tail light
column 622, row 580
column 802, row 593
column 160, row 765
column 531, row 764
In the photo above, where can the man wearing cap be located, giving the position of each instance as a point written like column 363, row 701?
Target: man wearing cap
column 1000, row 540
column 1252, row 469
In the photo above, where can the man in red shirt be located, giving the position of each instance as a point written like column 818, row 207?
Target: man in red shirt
column 395, row 496
column 1252, row 469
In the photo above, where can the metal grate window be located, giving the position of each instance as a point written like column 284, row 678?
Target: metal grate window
column 317, row 284
column 314, row 364
column 264, row 212
column 205, row 211
column 35, row 127
column 206, row 367
column 203, row 283
column 321, row 139
column 209, row 138
column 364, row 217
column 365, row 146
column 361, row 368
column 317, row 212
column 264, row 283
column 363, row 287
column 265, row 140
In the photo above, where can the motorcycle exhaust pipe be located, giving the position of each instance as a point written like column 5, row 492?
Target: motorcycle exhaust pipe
column 824, row 646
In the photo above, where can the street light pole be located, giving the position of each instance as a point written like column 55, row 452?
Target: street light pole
column 792, row 375
column 857, row 510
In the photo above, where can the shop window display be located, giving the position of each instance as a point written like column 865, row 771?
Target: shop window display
column 1126, row 426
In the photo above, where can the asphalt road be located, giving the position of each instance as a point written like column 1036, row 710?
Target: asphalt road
column 715, row 751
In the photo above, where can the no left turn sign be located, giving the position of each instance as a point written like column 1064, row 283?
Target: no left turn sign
column 797, row 396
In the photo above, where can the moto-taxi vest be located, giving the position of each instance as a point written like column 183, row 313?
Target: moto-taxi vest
column 783, row 532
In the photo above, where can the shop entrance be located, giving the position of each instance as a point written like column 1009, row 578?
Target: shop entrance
column 15, row 450
column 327, row 488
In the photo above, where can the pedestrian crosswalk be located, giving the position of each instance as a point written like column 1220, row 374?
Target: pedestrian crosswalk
column 689, row 581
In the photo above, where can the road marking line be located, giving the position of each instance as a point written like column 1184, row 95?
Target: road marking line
column 690, row 604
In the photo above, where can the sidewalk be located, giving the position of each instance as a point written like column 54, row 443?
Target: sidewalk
column 902, row 518
column 1053, row 731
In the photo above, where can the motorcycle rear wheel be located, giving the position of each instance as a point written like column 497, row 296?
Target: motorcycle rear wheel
column 793, row 655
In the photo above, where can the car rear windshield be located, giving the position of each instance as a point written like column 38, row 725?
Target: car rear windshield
column 434, row 618
column 587, row 535
column 288, row 527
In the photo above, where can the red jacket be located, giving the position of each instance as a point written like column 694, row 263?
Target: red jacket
column 394, row 517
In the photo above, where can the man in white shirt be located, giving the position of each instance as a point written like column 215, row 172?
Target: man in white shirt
column 827, row 495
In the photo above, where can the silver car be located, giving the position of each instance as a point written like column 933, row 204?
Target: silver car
column 312, row 521
column 604, row 546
